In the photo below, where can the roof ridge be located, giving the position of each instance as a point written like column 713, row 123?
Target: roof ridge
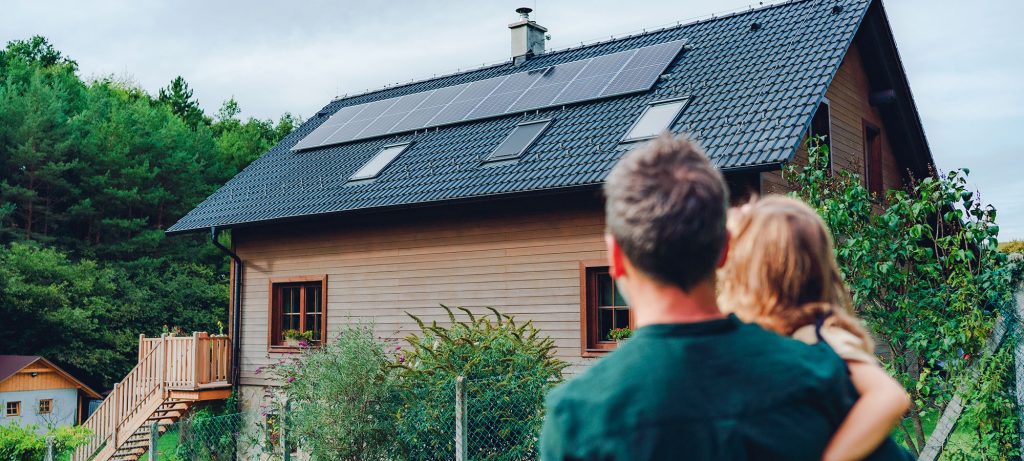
column 679, row 24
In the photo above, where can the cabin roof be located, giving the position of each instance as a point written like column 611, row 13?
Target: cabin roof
column 753, row 79
column 12, row 364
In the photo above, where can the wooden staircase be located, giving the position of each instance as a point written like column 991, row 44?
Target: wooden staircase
column 173, row 374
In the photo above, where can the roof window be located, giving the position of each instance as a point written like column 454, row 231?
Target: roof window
column 521, row 138
column 380, row 161
column 659, row 116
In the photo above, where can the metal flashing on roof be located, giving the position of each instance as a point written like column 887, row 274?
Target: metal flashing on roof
column 379, row 162
column 518, row 141
column 657, row 117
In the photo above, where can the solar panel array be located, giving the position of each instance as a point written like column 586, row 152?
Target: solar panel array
column 576, row 81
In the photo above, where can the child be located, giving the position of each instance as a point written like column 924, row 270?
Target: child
column 781, row 274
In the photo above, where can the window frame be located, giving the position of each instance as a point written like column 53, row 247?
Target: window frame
column 828, row 137
column 685, row 102
column 273, row 310
column 403, row 146
column 874, row 176
column 589, row 346
column 7, row 408
column 508, row 158
column 49, row 407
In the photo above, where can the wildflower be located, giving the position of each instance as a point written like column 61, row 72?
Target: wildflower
column 291, row 380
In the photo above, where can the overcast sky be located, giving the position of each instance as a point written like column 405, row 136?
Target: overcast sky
column 964, row 59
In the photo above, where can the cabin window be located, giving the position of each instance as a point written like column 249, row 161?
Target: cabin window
column 518, row 141
column 298, row 311
column 380, row 161
column 821, row 125
column 873, row 160
column 604, row 309
column 659, row 116
column 13, row 409
column 45, row 406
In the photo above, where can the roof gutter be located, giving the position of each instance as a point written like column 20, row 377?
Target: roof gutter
column 236, row 308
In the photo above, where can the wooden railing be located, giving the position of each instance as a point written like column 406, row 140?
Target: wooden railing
column 165, row 364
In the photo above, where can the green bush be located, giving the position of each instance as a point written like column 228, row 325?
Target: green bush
column 23, row 443
column 507, row 367
column 343, row 398
column 1013, row 246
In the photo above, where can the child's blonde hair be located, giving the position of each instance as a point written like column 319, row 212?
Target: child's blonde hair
column 781, row 272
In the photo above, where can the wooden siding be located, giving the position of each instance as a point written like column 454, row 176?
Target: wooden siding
column 48, row 378
column 520, row 257
column 849, row 108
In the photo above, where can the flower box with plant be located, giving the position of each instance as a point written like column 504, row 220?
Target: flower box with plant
column 296, row 338
column 620, row 334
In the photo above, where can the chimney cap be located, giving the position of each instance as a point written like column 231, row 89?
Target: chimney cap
column 524, row 12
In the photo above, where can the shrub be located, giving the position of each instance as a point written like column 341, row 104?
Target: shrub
column 23, row 443
column 342, row 398
column 507, row 368
column 1013, row 246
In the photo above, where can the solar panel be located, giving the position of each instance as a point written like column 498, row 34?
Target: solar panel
column 572, row 82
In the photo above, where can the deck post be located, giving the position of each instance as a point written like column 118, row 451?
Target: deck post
column 49, row 448
column 195, row 360
column 117, row 411
column 142, row 345
column 162, row 365
column 154, row 434
column 460, row 420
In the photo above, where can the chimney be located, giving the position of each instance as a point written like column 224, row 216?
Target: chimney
column 527, row 36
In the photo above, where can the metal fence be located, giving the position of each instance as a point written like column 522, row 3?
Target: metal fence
column 486, row 419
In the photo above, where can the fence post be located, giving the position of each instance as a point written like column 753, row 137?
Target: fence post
column 461, row 441
column 49, row 448
column 284, row 431
column 1018, row 356
column 153, row 436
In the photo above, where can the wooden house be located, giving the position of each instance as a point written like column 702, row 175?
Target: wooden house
column 34, row 391
column 482, row 188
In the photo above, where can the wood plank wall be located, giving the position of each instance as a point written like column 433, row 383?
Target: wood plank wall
column 520, row 257
column 849, row 107
column 47, row 378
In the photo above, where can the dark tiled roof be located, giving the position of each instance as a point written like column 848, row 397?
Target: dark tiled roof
column 10, row 364
column 753, row 93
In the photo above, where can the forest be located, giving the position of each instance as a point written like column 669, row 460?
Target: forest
column 91, row 173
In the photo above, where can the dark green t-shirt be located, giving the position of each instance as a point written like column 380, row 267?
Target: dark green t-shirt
column 716, row 390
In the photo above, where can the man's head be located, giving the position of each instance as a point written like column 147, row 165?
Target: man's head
column 665, row 210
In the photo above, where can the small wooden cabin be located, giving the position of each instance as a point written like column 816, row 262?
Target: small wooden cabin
column 482, row 188
column 35, row 391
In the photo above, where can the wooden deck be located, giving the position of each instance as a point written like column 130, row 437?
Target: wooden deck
column 172, row 374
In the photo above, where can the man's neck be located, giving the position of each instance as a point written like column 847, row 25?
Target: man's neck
column 658, row 304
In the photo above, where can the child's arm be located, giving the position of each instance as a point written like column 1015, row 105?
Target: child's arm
column 881, row 406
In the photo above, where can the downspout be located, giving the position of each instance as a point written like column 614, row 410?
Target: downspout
column 236, row 308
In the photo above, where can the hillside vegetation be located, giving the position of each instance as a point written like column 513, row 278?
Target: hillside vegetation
column 91, row 173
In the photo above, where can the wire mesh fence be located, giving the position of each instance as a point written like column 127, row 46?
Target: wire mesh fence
column 503, row 417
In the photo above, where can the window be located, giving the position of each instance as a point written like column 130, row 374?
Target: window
column 821, row 125
column 873, row 160
column 658, row 117
column 380, row 161
column 45, row 406
column 521, row 138
column 297, row 304
column 604, row 308
column 13, row 409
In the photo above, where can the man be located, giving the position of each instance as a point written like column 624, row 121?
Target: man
column 691, row 383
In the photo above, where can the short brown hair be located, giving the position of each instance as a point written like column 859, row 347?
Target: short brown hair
column 665, row 206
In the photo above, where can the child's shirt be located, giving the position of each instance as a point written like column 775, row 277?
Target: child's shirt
column 847, row 345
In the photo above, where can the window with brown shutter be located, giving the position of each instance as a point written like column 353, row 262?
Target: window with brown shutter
column 603, row 308
column 873, row 160
column 299, row 304
column 821, row 125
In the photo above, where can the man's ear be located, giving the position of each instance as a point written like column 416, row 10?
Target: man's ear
column 725, row 250
column 616, row 265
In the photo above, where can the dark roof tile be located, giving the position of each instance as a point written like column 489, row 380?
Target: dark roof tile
column 752, row 95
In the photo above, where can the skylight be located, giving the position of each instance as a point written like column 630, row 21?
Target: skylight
column 380, row 161
column 658, row 116
column 521, row 138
